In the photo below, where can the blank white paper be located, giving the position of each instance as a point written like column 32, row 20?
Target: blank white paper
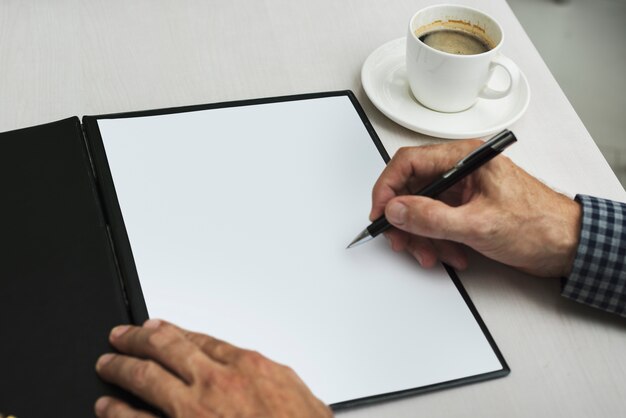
column 238, row 219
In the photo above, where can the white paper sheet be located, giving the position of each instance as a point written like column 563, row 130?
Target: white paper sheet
column 239, row 219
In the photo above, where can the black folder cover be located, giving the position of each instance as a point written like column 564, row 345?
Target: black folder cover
column 59, row 287
column 67, row 274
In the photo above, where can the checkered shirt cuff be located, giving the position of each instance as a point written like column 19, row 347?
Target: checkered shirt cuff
column 598, row 276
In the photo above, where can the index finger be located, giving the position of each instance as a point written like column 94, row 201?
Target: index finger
column 413, row 167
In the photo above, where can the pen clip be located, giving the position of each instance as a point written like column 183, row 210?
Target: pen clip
column 498, row 143
column 471, row 155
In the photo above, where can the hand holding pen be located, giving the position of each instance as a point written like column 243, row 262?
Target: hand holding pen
column 449, row 178
column 498, row 210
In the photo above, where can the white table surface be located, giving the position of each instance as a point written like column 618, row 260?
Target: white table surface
column 64, row 58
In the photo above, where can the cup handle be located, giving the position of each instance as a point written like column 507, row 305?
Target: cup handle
column 514, row 75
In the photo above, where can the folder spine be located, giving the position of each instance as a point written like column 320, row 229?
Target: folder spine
column 118, row 241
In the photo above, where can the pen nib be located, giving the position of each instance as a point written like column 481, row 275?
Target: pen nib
column 364, row 236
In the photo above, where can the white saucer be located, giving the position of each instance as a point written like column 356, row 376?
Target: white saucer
column 384, row 79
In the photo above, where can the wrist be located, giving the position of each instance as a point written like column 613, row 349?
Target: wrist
column 572, row 220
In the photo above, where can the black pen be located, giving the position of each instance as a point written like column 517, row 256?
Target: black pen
column 466, row 166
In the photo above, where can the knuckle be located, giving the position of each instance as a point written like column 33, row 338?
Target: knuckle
column 254, row 359
column 221, row 350
column 289, row 372
column 197, row 360
column 482, row 227
column 477, row 228
column 160, row 338
column 474, row 142
column 206, row 377
column 402, row 152
column 505, row 159
column 141, row 372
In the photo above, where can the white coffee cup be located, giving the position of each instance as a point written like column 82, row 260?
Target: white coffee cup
column 449, row 82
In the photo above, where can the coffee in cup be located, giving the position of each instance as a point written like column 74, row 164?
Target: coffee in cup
column 451, row 53
column 455, row 41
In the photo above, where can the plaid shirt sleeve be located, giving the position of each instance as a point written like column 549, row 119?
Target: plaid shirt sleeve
column 598, row 276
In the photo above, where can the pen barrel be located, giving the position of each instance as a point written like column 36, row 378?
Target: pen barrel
column 456, row 174
column 379, row 226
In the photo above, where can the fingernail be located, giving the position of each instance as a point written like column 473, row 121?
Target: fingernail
column 101, row 405
column 396, row 213
column 418, row 257
column 152, row 323
column 119, row 331
column 104, row 359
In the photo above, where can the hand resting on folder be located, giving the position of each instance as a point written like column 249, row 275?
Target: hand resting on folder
column 186, row 374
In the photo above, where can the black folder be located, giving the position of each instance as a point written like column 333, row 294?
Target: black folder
column 67, row 273
column 59, row 282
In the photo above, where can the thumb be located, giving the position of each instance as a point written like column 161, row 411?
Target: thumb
column 427, row 217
